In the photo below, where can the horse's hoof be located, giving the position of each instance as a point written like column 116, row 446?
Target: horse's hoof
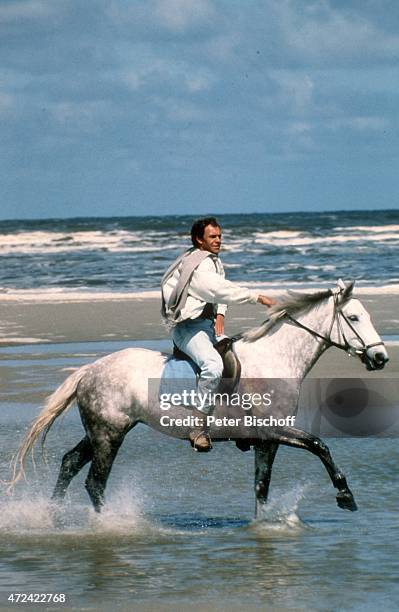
column 346, row 501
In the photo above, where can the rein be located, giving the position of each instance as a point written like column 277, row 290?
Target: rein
column 337, row 316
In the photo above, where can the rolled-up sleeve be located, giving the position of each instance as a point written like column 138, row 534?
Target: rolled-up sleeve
column 221, row 309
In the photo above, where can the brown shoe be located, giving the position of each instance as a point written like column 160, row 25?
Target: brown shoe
column 200, row 441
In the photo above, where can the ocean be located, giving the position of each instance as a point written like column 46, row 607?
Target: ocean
column 131, row 253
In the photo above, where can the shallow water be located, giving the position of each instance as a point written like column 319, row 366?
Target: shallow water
column 178, row 526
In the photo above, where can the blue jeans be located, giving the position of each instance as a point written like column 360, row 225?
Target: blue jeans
column 196, row 338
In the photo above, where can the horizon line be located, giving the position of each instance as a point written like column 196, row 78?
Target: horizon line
column 222, row 214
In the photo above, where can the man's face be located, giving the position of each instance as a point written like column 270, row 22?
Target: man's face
column 212, row 239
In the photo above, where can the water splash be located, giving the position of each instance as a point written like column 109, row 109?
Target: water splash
column 25, row 515
column 281, row 512
column 33, row 515
column 122, row 515
column 33, row 512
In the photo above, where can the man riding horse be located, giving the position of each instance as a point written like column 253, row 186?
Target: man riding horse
column 195, row 296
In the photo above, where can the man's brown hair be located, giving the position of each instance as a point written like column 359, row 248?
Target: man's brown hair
column 198, row 228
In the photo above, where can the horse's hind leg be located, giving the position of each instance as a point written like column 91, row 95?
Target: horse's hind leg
column 105, row 449
column 72, row 463
column 291, row 436
column 265, row 453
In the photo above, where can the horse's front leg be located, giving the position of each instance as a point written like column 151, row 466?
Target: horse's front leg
column 291, row 436
column 265, row 453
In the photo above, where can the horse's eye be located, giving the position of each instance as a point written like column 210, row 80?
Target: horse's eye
column 353, row 318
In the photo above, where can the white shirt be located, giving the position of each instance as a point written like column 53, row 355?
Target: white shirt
column 208, row 285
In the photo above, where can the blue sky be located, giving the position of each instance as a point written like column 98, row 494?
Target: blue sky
column 118, row 107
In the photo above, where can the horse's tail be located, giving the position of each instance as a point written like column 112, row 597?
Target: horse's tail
column 55, row 405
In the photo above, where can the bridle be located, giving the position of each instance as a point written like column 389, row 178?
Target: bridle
column 338, row 317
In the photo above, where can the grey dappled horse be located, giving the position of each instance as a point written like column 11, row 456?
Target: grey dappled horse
column 113, row 392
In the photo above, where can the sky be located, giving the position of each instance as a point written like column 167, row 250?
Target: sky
column 136, row 107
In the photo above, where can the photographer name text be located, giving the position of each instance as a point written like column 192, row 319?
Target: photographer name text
column 247, row 420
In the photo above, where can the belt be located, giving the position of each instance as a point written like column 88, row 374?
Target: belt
column 208, row 312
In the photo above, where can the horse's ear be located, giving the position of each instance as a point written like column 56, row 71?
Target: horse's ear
column 347, row 293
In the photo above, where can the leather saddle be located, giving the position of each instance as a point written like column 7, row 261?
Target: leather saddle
column 231, row 364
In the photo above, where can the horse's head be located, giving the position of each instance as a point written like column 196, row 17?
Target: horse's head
column 347, row 327
column 353, row 330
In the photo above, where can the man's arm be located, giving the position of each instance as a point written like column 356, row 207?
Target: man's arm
column 219, row 320
column 221, row 311
column 208, row 286
column 219, row 325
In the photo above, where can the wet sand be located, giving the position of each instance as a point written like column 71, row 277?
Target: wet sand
column 85, row 318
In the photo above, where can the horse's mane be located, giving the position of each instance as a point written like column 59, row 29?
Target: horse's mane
column 294, row 303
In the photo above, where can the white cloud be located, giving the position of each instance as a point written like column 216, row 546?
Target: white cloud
column 80, row 115
column 179, row 15
column 299, row 139
column 150, row 70
column 6, row 102
column 180, row 111
column 359, row 123
column 198, row 82
column 15, row 80
column 295, row 89
column 317, row 30
column 369, row 123
column 29, row 9
column 133, row 79
column 299, row 128
column 222, row 46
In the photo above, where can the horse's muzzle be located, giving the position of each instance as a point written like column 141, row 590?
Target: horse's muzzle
column 376, row 361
